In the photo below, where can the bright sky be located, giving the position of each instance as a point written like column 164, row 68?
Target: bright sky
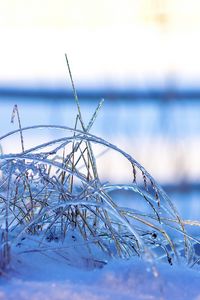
column 109, row 42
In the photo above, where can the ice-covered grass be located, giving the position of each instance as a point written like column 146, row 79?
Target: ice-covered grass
column 53, row 189
column 54, row 204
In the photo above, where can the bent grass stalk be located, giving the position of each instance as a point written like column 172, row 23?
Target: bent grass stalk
column 54, row 189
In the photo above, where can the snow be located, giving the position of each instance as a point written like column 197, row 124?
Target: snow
column 36, row 276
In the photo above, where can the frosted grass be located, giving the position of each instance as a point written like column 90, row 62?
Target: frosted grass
column 53, row 190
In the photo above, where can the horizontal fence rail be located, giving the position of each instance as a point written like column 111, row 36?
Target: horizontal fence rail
column 62, row 93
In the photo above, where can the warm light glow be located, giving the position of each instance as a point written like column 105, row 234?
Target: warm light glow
column 123, row 43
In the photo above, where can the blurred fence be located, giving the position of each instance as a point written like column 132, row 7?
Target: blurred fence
column 159, row 128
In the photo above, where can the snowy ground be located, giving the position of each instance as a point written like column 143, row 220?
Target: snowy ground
column 37, row 277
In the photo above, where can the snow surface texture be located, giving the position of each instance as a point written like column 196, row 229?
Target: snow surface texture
column 38, row 277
